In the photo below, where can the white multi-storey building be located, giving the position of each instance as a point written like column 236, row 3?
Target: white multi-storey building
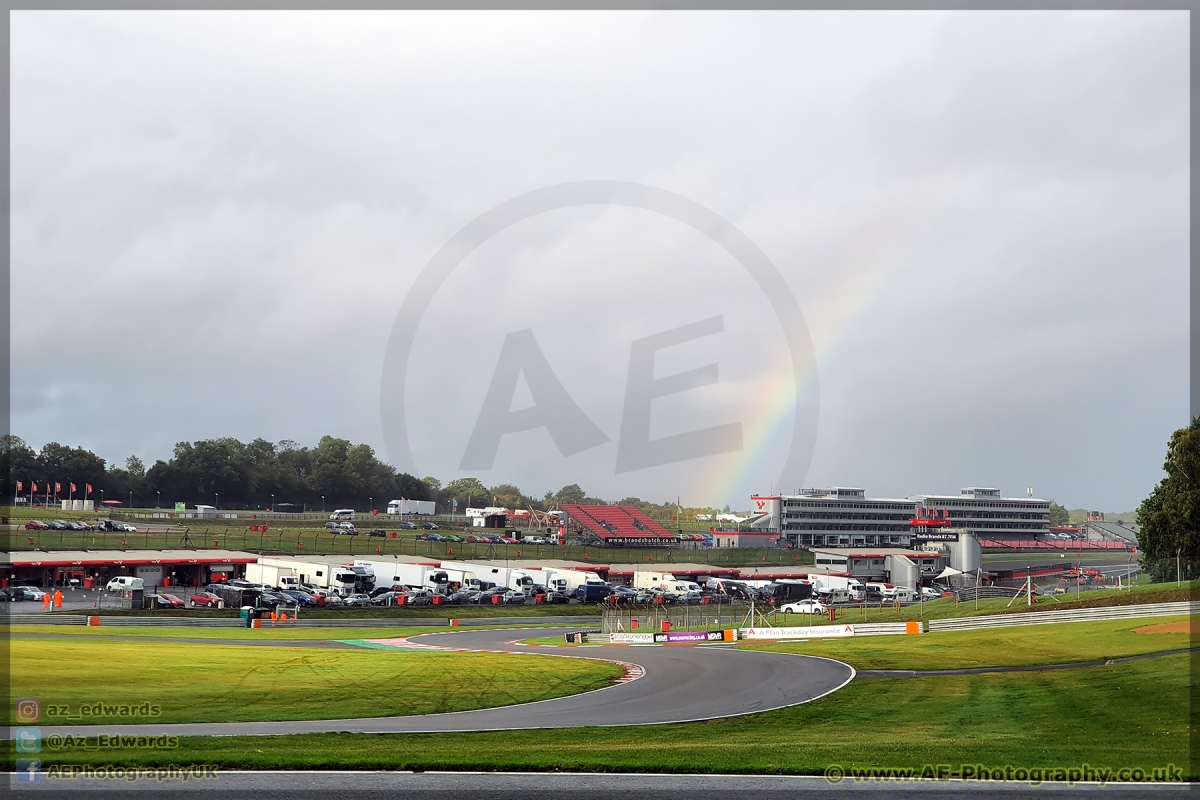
column 846, row 517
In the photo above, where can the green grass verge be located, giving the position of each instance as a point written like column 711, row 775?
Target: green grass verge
column 1063, row 643
column 218, row 634
column 1127, row 715
column 211, row 683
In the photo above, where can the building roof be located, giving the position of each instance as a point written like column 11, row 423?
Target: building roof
column 876, row 552
column 558, row 563
column 673, row 569
column 114, row 558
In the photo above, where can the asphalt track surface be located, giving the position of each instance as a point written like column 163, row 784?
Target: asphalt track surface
column 683, row 683
column 576, row 786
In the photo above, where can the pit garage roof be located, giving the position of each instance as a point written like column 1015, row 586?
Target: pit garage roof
column 673, row 569
column 557, row 563
column 116, row 558
column 770, row 573
column 876, row 552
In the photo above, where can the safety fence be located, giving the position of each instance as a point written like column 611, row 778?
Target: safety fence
column 830, row 631
column 1066, row 615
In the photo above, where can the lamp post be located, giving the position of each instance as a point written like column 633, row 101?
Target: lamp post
column 371, row 503
column 158, row 500
column 217, row 499
column 322, row 504
column 272, row 504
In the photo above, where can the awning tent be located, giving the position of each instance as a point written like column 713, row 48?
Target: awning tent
column 947, row 572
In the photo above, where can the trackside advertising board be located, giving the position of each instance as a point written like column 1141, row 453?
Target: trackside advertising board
column 690, row 636
column 819, row 631
column 631, row 638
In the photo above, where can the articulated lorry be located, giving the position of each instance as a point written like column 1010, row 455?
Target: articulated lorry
column 667, row 582
column 485, row 576
column 284, row 573
column 831, row 583
column 387, row 573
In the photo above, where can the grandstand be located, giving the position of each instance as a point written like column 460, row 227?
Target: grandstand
column 619, row 525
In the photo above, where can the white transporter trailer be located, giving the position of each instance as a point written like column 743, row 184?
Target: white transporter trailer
column 389, row 573
column 567, row 580
column 852, row 586
column 286, row 572
column 406, row 506
column 520, row 580
column 648, row 579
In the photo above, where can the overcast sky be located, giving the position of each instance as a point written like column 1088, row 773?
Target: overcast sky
column 982, row 216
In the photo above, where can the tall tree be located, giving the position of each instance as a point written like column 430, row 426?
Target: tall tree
column 1170, row 516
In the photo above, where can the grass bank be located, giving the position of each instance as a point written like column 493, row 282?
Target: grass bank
column 215, row 683
column 1063, row 643
column 1126, row 715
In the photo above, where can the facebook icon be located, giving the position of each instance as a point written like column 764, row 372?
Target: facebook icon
column 29, row 770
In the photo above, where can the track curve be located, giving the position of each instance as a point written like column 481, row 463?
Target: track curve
column 679, row 684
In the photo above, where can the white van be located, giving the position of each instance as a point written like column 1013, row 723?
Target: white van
column 342, row 513
column 905, row 595
column 124, row 582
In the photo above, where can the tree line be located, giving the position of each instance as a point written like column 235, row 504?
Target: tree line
column 231, row 474
column 1169, row 517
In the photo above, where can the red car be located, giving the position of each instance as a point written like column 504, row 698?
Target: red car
column 35, row 525
column 510, row 540
column 204, row 599
column 170, row 601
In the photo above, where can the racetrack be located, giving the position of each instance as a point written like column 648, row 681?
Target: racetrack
column 678, row 684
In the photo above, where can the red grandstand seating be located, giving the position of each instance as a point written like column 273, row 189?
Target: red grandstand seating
column 609, row 522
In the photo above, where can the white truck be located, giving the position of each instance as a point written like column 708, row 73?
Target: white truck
column 406, row 506
column 684, row 590
column 289, row 574
column 389, row 573
column 486, row 576
column 852, row 586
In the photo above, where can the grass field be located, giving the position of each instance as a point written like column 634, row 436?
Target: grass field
column 210, row 683
column 218, row 634
column 1063, row 643
column 1127, row 715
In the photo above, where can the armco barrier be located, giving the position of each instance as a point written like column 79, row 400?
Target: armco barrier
column 312, row 622
column 1071, row 615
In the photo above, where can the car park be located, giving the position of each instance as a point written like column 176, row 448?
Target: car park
column 452, row 538
column 26, row 593
column 463, row 597
column 125, row 527
column 36, row 525
column 331, row 525
column 205, row 599
column 59, row 525
column 514, row 598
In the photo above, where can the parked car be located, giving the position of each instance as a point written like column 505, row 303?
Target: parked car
column 303, row 598
column 206, row 599
column 463, row 597
column 358, row 599
column 514, row 598
column 387, row 599
column 452, row 538
column 274, row 599
column 804, row 607
column 429, row 526
column 125, row 527
column 510, row 539
column 331, row 525
column 168, row 600
column 36, row 525
column 475, row 539
column 26, row 593
column 59, row 525
column 408, row 526
column 378, row 532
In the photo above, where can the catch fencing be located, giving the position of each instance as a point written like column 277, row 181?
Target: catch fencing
column 1066, row 615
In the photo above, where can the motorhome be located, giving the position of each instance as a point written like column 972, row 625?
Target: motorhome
column 342, row 513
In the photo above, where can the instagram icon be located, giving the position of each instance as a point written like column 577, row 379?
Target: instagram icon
column 29, row 710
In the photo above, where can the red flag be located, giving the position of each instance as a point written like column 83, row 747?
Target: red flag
column 19, row 486
column 34, row 489
column 72, row 488
column 57, row 487
column 90, row 488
